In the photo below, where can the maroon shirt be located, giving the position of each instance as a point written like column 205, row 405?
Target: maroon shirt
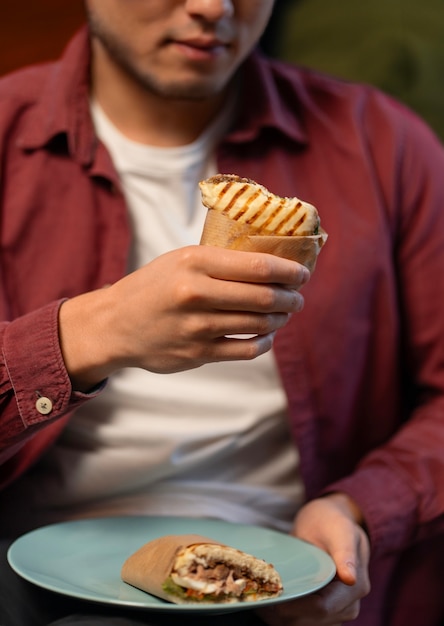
column 362, row 365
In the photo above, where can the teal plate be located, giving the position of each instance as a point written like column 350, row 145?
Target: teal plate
column 83, row 558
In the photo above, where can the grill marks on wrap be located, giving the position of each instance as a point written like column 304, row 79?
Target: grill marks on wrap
column 246, row 201
column 235, row 199
column 286, row 218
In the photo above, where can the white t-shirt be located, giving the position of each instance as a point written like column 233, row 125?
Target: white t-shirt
column 210, row 442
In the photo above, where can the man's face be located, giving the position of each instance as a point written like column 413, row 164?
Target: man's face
column 186, row 49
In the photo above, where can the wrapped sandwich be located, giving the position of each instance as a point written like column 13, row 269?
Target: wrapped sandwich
column 188, row 569
column 244, row 215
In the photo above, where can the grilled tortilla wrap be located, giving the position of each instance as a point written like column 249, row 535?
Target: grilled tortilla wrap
column 244, row 215
column 188, row 569
column 247, row 202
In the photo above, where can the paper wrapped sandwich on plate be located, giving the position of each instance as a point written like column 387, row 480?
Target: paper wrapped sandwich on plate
column 188, row 569
column 244, row 215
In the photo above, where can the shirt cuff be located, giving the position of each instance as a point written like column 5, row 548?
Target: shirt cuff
column 36, row 369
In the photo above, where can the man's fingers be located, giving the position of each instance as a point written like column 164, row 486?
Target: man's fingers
column 260, row 298
column 346, row 571
column 351, row 562
column 254, row 267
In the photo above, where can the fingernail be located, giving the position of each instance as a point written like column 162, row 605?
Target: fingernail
column 305, row 275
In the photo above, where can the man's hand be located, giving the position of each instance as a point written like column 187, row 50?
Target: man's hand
column 176, row 313
column 333, row 524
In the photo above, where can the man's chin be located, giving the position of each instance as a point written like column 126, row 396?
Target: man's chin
column 185, row 90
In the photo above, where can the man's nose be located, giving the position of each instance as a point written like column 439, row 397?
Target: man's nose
column 211, row 10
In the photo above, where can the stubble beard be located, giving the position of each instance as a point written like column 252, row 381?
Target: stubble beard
column 168, row 90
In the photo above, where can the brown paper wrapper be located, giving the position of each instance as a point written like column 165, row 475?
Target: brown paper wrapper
column 150, row 566
column 223, row 232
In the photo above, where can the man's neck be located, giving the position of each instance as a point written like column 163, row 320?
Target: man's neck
column 149, row 118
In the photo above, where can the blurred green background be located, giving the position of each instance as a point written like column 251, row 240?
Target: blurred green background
column 397, row 45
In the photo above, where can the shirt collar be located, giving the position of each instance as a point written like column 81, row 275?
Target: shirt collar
column 262, row 105
column 63, row 107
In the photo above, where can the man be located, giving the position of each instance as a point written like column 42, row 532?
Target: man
column 102, row 281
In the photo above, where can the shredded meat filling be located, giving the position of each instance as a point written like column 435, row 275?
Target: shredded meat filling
column 227, row 580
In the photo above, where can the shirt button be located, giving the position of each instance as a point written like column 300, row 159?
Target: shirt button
column 43, row 405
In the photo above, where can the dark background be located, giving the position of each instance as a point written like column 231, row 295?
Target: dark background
column 35, row 30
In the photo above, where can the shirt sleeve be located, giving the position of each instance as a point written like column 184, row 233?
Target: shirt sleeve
column 35, row 388
column 399, row 486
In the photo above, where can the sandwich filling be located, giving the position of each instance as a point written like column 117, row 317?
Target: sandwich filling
column 213, row 572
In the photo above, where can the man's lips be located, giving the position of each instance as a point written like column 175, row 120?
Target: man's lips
column 201, row 48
